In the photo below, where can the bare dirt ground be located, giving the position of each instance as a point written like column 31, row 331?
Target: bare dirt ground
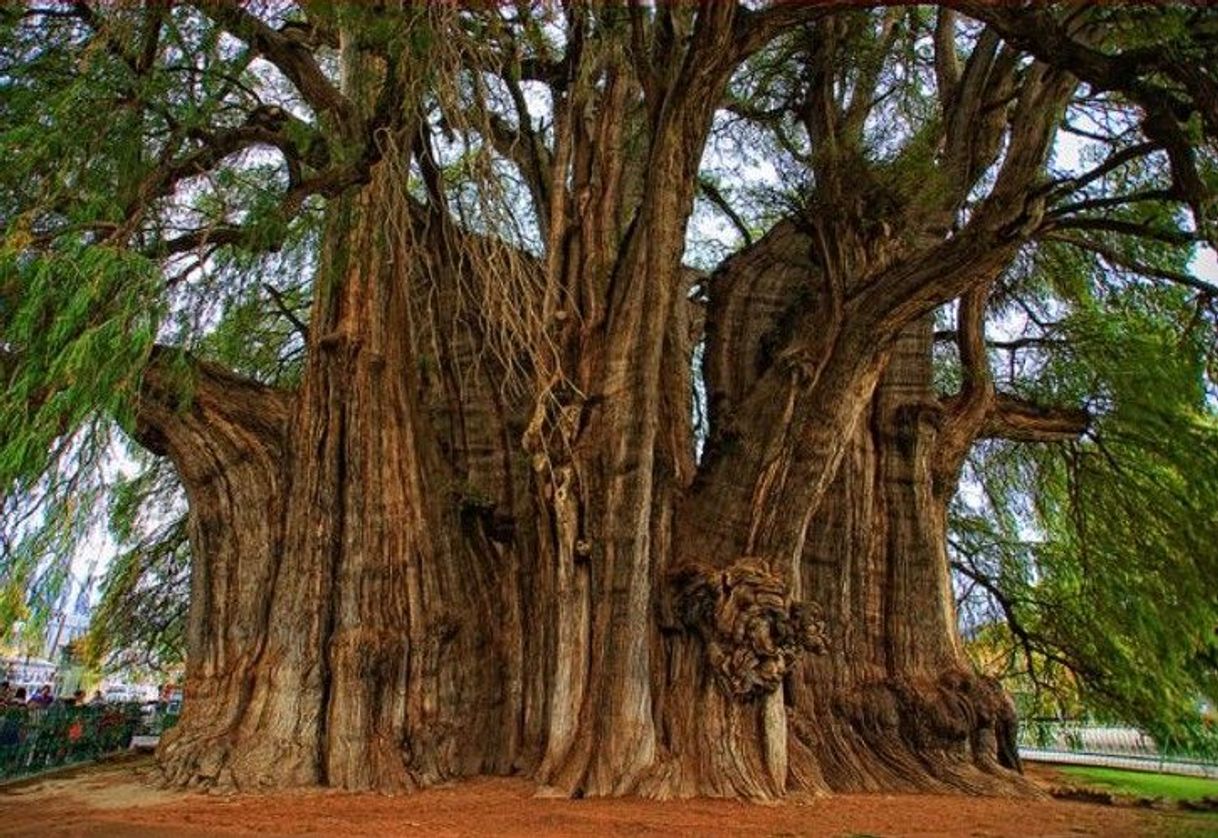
column 114, row 799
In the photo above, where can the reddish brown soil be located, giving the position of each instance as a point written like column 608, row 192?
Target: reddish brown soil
column 113, row 800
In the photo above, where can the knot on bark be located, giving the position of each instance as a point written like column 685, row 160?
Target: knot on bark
column 752, row 630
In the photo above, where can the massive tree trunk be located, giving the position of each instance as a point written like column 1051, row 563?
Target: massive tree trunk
column 387, row 595
column 894, row 703
column 475, row 538
column 343, row 628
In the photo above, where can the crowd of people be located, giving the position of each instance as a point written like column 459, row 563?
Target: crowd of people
column 43, row 698
column 39, row 730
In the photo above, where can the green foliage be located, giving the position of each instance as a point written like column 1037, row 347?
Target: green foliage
column 140, row 620
column 85, row 322
column 1104, row 550
column 106, row 162
column 1099, row 555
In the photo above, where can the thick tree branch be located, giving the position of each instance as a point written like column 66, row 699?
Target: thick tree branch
column 1019, row 420
column 1138, row 72
column 311, row 33
column 184, row 400
column 947, row 57
column 975, row 113
column 291, row 56
column 978, row 410
column 1142, row 74
column 640, row 54
column 1001, row 223
column 966, row 412
column 863, row 97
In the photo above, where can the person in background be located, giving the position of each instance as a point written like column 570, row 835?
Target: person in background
column 6, row 692
column 97, row 698
column 11, row 712
column 18, row 698
column 43, row 698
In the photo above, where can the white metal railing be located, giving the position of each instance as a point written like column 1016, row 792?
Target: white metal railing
column 1113, row 746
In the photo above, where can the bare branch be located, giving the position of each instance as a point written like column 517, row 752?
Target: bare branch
column 1113, row 201
column 862, row 99
column 1180, row 238
column 1115, row 161
column 952, row 336
column 966, row 413
column 717, row 198
column 947, row 59
column 283, row 308
column 1030, row 644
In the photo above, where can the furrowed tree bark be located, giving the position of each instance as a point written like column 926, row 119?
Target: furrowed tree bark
column 393, row 646
column 894, row 703
column 609, row 504
column 367, row 648
column 227, row 438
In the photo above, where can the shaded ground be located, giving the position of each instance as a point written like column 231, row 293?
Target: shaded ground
column 113, row 800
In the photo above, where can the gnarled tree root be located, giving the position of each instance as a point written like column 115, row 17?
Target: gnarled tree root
column 951, row 733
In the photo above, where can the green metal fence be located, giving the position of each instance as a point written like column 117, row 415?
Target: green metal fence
column 33, row 741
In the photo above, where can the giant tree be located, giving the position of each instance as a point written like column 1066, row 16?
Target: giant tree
column 406, row 295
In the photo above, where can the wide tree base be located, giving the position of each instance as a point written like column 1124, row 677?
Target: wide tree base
column 890, row 768
column 950, row 734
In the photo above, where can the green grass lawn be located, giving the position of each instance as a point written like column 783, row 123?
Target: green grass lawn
column 1142, row 783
